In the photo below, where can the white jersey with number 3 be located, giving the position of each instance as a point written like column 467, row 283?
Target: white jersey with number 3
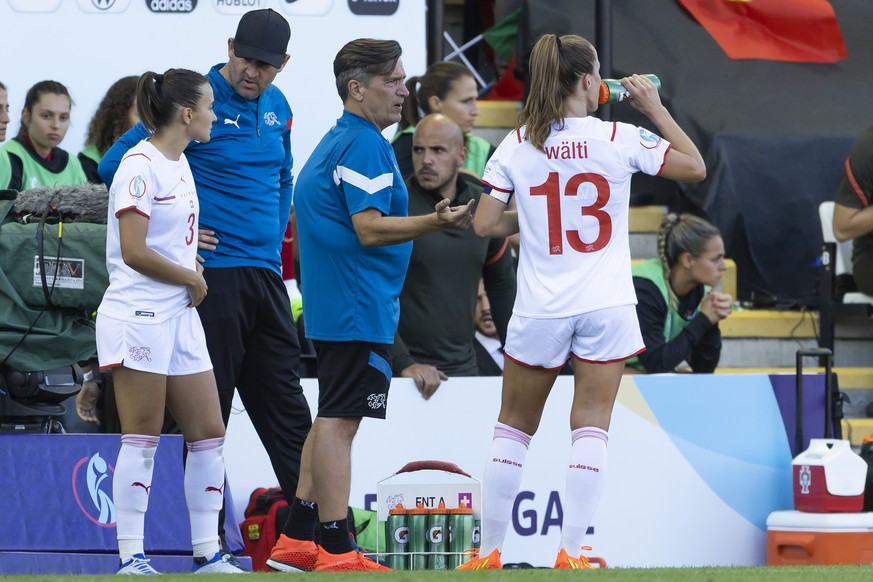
column 572, row 205
column 163, row 191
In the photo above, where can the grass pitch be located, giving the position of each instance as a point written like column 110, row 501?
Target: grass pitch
column 754, row 574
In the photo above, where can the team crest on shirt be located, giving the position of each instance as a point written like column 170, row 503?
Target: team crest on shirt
column 137, row 187
column 648, row 139
column 270, row 118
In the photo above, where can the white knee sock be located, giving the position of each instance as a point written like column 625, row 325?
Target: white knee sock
column 503, row 472
column 204, row 493
column 586, row 476
column 131, row 486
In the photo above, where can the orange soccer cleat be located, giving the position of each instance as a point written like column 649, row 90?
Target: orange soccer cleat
column 354, row 561
column 290, row 555
column 489, row 562
column 565, row 561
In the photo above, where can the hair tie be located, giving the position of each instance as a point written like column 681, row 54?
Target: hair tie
column 159, row 81
column 558, row 42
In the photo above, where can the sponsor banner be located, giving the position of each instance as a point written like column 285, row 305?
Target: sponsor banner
column 305, row 7
column 200, row 30
column 57, row 495
column 240, row 6
column 34, row 5
column 106, row 6
column 374, row 7
column 171, row 6
column 694, row 460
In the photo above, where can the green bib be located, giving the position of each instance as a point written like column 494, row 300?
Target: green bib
column 675, row 323
column 33, row 175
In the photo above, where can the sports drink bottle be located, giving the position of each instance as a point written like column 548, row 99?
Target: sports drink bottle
column 612, row 91
column 397, row 538
column 418, row 537
column 461, row 526
column 437, row 538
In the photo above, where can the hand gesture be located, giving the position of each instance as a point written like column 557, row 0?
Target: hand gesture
column 197, row 287
column 206, row 240
column 427, row 378
column 86, row 401
column 454, row 216
column 645, row 95
column 716, row 306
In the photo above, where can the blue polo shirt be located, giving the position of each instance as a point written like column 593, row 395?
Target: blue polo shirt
column 350, row 292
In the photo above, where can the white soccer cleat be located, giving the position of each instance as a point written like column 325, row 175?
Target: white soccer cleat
column 138, row 565
column 218, row 564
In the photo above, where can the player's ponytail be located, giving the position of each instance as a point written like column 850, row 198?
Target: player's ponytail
column 555, row 66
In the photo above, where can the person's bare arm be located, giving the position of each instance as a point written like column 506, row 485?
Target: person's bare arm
column 375, row 229
column 851, row 223
column 683, row 161
column 493, row 219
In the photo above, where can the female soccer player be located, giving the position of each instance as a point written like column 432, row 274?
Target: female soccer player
column 570, row 174
column 148, row 332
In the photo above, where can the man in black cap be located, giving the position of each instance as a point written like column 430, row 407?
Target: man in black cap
column 244, row 183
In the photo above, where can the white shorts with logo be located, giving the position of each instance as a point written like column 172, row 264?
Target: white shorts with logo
column 175, row 347
column 601, row 337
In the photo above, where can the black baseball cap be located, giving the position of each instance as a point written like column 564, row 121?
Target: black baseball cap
column 262, row 35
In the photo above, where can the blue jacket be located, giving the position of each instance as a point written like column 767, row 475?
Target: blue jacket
column 243, row 175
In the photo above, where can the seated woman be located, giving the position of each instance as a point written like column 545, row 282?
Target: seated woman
column 114, row 116
column 448, row 88
column 34, row 156
column 678, row 305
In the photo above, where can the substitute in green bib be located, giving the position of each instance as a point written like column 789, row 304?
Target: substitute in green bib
column 679, row 303
column 448, row 88
column 35, row 157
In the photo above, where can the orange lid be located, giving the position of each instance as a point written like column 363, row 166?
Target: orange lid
column 398, row 509
column 420, row 508
column 441, row 508
column 604, row 93
column 462, row 508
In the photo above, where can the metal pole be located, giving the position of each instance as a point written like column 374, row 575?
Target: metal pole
column 435, row 27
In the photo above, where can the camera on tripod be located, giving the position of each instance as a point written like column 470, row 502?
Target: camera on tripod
column 31, row 402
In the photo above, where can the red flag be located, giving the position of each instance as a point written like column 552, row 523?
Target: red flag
column 799, row 31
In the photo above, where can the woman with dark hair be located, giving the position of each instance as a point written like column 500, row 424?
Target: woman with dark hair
column 678, row 304
column 569, row 173
column 114, row 116
column 448, row 88
column 34, row 156
column 148, row 333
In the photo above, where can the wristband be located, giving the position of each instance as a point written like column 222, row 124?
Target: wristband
column 87, row 376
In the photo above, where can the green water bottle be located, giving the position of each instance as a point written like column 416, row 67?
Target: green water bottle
column 461, row 526
column 612, row 91
column 438, row 538
column 418, row 537
column 397, row 538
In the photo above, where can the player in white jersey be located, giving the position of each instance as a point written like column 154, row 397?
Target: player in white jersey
column 148, row 333
column 570, row 176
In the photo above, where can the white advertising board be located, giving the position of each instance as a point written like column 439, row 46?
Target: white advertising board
column 686, row 486
column 89, row 44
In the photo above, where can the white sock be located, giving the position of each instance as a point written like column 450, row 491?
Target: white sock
column 131, row 486
column 503, row 472
column 204, row 493
column 586, row 476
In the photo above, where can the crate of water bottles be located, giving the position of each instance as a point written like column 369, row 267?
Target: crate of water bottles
column 430, row 512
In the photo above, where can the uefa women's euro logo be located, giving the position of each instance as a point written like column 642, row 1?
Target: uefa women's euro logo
column 92, row 488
